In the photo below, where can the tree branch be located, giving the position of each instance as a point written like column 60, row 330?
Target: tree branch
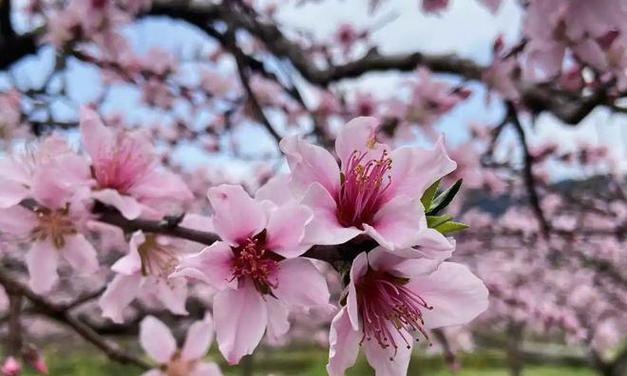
column 529, row 178
column 61, row 315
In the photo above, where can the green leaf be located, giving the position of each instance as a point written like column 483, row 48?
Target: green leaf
column 429, row 195
column 444, row 198
column 450, row 226
column 435, row 220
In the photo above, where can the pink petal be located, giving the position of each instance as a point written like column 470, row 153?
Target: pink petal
column 198, row 222
column 159, row 184
column 94, row 135
column 11, row 193
column 80, row 254
column 384, row 260
column 434, row 245
column 237, row 215
column 41, row 261
column 415, row 169
column 127, row 205
column 241, row 317
column 206, row 369
column 156, row 339
column 198, row 340
column 456, row 294
column 396, row 224
column 131, row 263
column 278, row 324
column 12, row 169
column 358, row 135
column 590, row 52
column 343, row 344
column 119, row 294
column 300, row 283
column 388, row 361
column 325, row 229
column 172, row 294
column 310, row 164
column 276, row 190
column 17, row 221
column 358, row 269
column 212, row 265
column 286, row 229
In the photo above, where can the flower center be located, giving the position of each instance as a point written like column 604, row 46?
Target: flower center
column 256, row 263
column 179, row 367
column 123, row 166
column 53, row 224
column 157, row 260
column 363, row 184
column 389, row 310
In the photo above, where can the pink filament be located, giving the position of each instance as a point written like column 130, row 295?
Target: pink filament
column 362, row 190
column 387, row 306
column 123, row 166
column 254, row 262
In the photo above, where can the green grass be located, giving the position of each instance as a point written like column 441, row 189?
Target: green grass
column 306, row 362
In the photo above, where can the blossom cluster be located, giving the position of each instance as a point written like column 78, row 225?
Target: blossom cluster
column 398, row 284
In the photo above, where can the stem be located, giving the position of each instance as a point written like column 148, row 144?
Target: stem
column 14, row 340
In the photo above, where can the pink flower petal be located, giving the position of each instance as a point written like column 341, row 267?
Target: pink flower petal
column 286, row 229
column 358, row 269
column 172, row 294
column 127, row 205
column 358, row 135
column 434, row 245
column 278, row 324
column 299, row 283
column 80, row 254
column 17, row 221
column 325, row 229
column 310, row 164
column 42, row 260
column 159, row 184
column 241, row 317
column 382, row 259
column 198, row 340
column 415, row 169
column 198, row 222
column 276, row 190
column 119, row 294
column 343, row 344
column 156, row 339
column 457, row 295
column 12, row 169
column 131, row 263
column 389, row 361
column 212, row 265
column 94, row 135
column 237, row 215
column 396, row 224
column 11, row 193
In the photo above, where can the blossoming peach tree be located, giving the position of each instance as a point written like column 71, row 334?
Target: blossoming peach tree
column 372, row 216
column 327, row 213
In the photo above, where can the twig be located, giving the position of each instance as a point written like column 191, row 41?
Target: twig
column 528, row 176
column 14, row 341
